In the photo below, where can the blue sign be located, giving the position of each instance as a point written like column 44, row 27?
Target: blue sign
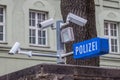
column 91, row 48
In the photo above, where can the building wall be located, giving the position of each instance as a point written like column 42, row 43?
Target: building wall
column 17, row 30
column 17, row 21
column 108, row 10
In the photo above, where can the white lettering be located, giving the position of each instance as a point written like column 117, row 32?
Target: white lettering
column 93, row 46
column 85, row 48
column 76, row 50
column 80, row 49
column 89, row 47
column 96, row 45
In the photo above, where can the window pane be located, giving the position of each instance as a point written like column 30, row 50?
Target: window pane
column 115, row 30
column 1, row 18
column 44, row 41
column 115, row 33
column 106, row 32
column 112, row 33
column 33, row 15
column 114, row 45
column 32, row 19
column 39, row 41
column 39, row 33
column 115, row 41
column 116, row 49
column 33, row 23
column 111, row 26
column 112, row 48
column 39, row 19
column 33, row 33
column 112, row 42
column 41, row 37
column 43, row 34
column 114, row 26
column 1, row 33
column 106, row 25
column 1, row 28
column 33, row 40
column 1, row 36
column 43, row 17
column 111, row 29
column 105, row 29
column 39, row 16
column 32, row 36
column 1, row 10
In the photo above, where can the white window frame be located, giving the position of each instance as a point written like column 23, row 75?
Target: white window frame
column 3, row 24
column 112, row 37
column 37, row 29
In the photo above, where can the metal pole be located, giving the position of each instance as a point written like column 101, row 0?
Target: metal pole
column 45, row 55
column 60, row 46
column 67, row 54
column 30, row 54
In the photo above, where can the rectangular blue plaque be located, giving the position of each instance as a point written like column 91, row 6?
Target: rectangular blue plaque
column 91, row 48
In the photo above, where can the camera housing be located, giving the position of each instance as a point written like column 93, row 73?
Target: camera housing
column 15, row 48
column 76, row 19
column 46, row 23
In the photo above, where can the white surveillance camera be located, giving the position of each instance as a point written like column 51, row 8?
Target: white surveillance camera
column 46, row 23
column 15, row 48
column 76, row 19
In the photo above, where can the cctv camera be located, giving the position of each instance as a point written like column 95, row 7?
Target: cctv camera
column 76, row 19
column 46, row 23
column 15, row 48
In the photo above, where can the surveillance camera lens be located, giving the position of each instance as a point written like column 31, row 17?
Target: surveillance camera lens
column 39, row 25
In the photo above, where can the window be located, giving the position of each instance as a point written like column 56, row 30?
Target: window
column 36, row 36
column 111, row 32
column 2, row 24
